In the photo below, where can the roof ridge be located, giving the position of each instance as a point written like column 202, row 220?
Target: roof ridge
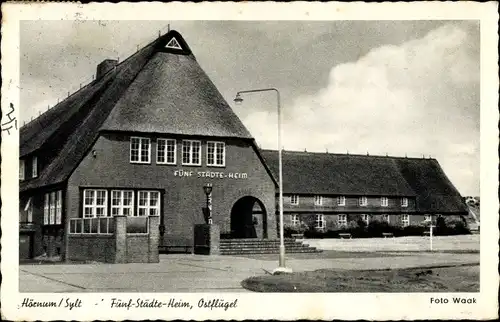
column 348, row 154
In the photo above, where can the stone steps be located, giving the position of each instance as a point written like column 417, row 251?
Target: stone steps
column 262, row 246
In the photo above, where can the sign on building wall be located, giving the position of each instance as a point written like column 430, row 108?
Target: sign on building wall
column 211, row 174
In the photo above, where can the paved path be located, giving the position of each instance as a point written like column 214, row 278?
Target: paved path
column 198, row 273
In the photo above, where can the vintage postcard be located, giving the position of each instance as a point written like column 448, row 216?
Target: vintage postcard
column 287, row 161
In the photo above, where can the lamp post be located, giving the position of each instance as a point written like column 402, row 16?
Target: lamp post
column 239, row 100
column 207, row 188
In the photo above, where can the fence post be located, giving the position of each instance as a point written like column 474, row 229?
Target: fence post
column 120, row 238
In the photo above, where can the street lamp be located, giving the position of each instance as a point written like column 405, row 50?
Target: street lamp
column 239, row 100
column 207, row 188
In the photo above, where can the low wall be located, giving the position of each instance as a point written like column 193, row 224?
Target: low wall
column 116, row 245
column 137, row 248
column 410, row 243
column 100, row 248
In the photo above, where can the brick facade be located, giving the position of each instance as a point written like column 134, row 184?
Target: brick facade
column 107, row 165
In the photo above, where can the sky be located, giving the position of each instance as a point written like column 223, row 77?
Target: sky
column 402, row 88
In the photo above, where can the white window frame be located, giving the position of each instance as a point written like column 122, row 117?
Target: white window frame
column 190, row 144
column 341, row 201
column 22, row 170
column 140, row 149
column 167, row 143
column 295, row 220
column 34, row 167
column 318, row 200
column 342, row 220
column 363, row 201
column 93, row 206
column 121, row 205
column 52, row 210
column 384, row 201
column 404, row 202
column 366, row 218
column 28, row 208
column 46, row 207
column 320, row 221
column 294, row 200
column 214, row 152
column 428, row 218
column 58, row 207
column 405, row 220
column 386, row 218
column 147, row 207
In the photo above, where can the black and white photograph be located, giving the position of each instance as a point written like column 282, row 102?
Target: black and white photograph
column 194, row 165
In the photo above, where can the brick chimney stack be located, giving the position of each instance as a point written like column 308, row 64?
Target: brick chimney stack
column 105, row 66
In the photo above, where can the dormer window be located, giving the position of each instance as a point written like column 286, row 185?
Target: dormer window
column 404, row 202
column 294, row 200
column 21, row 169
column 140, row 150
column 34, row 168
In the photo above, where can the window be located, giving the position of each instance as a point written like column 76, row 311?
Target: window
column 58, row 207
column 294, row 199
column 46, row 206
column 191, row 152
column 318, row 200
column 149, row 203
column 386, row 218
column 384, row 201
column 363, row 201
column 216, row 154
column 140, row 150
column 366, row 218
column 28, row 209
column 404, row 202
column 342, row 220
column 295, row 220
column 95, row 203
column 52, row 212
column 428, row 218
column 21, row 170
column 34, row 168
column 405, row 220
column 320, row 221
column 341, row 200
column 52, row 208
column 122, row 203
column 166, row 151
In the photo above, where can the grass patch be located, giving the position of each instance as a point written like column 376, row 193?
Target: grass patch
column 444, row 279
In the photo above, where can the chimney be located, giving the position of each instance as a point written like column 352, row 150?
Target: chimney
column 105, row 66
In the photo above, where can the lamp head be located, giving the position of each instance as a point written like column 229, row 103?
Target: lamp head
column 207, row 188
column 238, row 100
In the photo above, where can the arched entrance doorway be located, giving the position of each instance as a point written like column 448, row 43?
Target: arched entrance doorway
column 248, row 218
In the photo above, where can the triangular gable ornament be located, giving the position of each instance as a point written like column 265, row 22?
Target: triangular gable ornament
column 174, row 44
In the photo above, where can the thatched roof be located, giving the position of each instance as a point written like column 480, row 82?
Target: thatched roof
column 156, row 90
column 363, row 175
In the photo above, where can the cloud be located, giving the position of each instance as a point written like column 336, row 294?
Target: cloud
column 417, row 98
